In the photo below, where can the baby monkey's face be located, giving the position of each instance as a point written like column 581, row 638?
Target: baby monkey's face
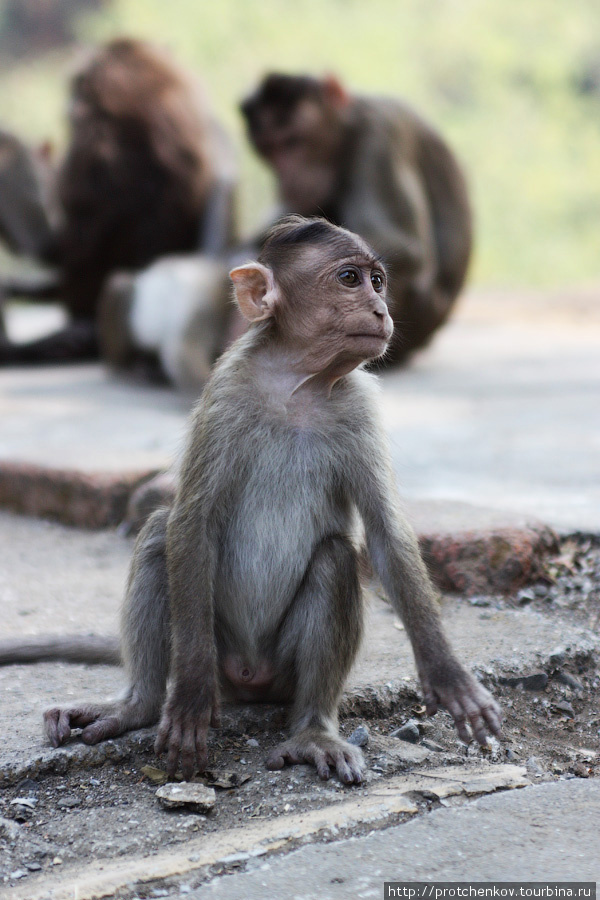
column 340, row 311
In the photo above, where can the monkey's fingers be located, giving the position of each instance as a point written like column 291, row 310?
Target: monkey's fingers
column 431, row 703
column 58, row 722
column 492, row 714
column 57, row 725
column 173, row 749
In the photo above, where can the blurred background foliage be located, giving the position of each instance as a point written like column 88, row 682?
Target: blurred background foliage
column 515, row 87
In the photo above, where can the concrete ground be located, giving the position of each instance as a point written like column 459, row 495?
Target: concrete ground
column 496, row 425
column 527, row 835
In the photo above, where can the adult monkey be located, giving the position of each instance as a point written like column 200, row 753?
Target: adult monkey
column 147, row 173
column 375, row 167
column 285, row 441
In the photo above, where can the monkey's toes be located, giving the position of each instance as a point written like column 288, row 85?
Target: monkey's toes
column 57, row 725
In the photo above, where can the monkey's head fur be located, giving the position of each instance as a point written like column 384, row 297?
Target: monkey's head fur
column 320, row 290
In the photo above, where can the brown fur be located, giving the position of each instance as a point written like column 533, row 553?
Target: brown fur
column 374, row 166
column 147, row 173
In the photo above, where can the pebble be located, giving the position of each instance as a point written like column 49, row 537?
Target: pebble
column 28, row 802
column 533, row 766
column 9, row 829
column 18, row 873
column 535, row 682
column 33, row 867
column 564, row 706
column 407, row 732
column 70, row 801
column 569, row 680
column 252, row 742
column 360, row 736
column 525, row 596
column 195, row 797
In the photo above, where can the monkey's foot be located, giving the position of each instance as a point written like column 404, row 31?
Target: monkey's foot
column 99, row 722
column 322, row 750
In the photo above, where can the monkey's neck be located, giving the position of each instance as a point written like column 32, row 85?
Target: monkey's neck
column 290, row 377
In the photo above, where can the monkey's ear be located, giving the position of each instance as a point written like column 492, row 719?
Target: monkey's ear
column 255, row 291
column 334, row 91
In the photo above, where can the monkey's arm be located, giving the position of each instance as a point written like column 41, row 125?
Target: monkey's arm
column 192, row 700
column 396, row 559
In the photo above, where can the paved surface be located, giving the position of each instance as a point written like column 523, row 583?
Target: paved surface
column 533, row 834
column 502, row 413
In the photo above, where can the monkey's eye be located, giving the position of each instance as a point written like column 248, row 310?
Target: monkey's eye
column 349, row 277
column 378, row 281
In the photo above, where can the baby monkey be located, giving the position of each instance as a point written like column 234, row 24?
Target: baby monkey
column 248, row 587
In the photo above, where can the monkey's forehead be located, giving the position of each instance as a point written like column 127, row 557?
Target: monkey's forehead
column 339, row 252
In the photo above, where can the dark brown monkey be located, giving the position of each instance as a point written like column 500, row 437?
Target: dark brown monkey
column 248, row 588
column 147, row 173
column 375, row 167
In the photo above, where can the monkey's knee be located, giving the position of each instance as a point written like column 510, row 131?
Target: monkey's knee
column 147, row 498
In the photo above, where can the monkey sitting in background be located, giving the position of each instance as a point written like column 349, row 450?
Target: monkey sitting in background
column 147, row 173
column 248, row 587
column 375, row 167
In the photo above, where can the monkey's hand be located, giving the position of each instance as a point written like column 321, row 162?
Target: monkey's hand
column 323, row 750
column 446, row 683
column 183, row 728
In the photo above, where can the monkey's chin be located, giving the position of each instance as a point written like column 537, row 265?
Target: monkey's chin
column 371, row 346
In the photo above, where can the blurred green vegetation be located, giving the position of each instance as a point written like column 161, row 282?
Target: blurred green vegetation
column 515, row 87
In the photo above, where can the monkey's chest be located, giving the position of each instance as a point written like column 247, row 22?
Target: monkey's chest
column 290, row 501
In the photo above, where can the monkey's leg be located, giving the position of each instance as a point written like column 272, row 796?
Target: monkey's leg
column 318, row 642
column 145, row 643
column 77, row 341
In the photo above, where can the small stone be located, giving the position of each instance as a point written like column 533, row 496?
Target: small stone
column 252, row 742
column 557, row 657
column 9, row 829
column 224, row 779
column 480, row 601
column 28, row 786
column 431, row 745
column 195, row 797
column 535, row 682
column 360, row 736
column 533, row 767
column 70, row 801
column 540, row 590
column 57, row 861
column 563, row 706
column 407, row 732
column 156, row 776
column 28, row 802
column 18, row 873
column 525, row 596
column 580, row 770
column 569, row 680
column 33, row 867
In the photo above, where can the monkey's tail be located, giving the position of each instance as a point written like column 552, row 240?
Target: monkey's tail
column 92, row 649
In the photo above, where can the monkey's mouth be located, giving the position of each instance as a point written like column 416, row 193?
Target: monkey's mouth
column 371, row 336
